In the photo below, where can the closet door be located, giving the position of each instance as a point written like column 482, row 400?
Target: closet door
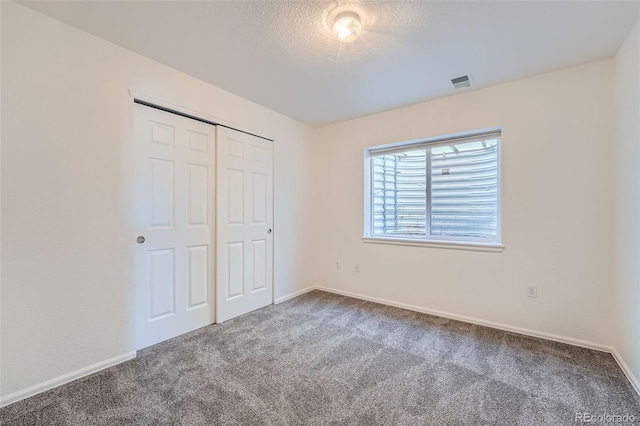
column 174, row 215
column 244, row 212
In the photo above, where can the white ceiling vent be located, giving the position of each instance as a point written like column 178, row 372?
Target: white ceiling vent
column 461, row 82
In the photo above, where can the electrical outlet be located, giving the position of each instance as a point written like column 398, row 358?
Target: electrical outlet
column 337, row 264
column 532, row 291
column 357, row 268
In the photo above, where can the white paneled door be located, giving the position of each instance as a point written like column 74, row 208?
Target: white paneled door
column 174, row 215
column 244, row 212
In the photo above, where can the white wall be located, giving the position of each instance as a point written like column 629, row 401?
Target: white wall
column 627, row 306
column 67, row 235
column 557, row 197
column 67, row 205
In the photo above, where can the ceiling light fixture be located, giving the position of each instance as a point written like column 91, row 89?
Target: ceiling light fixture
column 347, row 26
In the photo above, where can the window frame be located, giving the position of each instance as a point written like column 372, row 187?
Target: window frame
column 463, row 243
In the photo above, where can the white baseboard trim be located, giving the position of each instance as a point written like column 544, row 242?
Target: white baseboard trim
column 65, row 378
column 292, row 295
column 91, row 369
column 499, row 326
column 625, row 368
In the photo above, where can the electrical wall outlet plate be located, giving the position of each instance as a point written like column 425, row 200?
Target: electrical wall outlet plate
column 532, row 291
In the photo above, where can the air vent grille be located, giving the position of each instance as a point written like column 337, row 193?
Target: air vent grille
column 461, row 82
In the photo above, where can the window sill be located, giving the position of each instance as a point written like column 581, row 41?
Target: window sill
column 457, row 245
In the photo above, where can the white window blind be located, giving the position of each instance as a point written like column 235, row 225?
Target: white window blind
column 399, row 193
column 446, row 190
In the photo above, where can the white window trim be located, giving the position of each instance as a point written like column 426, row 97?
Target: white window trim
column 455, row 245
column 431, row 241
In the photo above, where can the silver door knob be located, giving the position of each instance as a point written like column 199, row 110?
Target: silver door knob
column 140, row 239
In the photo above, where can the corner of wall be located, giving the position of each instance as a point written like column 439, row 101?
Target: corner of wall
column 627, row 220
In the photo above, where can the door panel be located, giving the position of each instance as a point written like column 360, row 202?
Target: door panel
column 259, row 198
column 161, row 283
column 198, row 276
column 199, row 142
column 259, row 255
column 235, row 268
column 244, row 217
column 235, row 197
column 198, row 190
column 162, row 180
column 174, row 199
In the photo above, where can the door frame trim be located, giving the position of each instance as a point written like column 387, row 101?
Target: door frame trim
column 172, row 108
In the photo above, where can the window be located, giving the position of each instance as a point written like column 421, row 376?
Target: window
column 444, row 190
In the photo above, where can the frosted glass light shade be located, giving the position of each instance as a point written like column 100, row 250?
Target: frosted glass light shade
column 347, row 26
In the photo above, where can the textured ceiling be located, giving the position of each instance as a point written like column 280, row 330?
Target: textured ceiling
column 281, row 54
